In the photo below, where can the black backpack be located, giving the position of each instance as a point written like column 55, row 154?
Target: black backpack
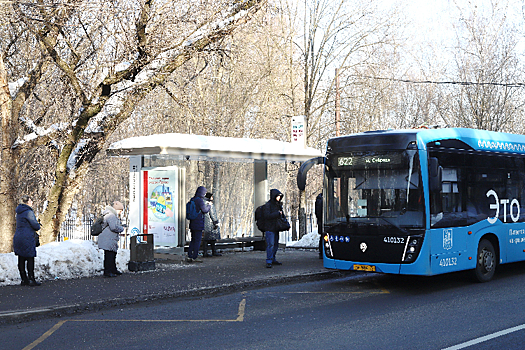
column 259, row 218
column 97, row 226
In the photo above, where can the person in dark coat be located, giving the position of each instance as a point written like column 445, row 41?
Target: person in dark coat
column 197, row 225
column 211, row 231
column 319, row 216
column 109, row 237
column 273, row 210
column 24, row 243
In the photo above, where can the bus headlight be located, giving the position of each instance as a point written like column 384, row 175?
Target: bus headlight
column 411, row 250
column 327, row 247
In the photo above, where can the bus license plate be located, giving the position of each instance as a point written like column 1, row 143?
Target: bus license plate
column 369, row 268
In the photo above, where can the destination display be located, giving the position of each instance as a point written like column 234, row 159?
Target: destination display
column 365, row 161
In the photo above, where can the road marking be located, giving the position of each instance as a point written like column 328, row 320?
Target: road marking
column 381, row 292
column 240, row 318
column 45, row 335
column 242, row 306
column 487, row 337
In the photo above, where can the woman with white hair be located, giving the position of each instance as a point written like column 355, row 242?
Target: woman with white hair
column 108, row 239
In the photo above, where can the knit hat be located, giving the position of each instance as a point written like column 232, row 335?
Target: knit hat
column 209, row 195
column 118, row 206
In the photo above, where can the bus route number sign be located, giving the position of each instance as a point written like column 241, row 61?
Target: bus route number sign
column 345, row 161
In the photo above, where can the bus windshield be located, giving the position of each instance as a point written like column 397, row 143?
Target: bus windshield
column 374, row 188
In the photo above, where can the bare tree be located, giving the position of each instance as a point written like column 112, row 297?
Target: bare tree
column 335, row 34
column 106, row 59
column 488, row 64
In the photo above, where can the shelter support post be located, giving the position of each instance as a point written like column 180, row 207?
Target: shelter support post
column 182, row 209
column 260, row 188
column 136, row 163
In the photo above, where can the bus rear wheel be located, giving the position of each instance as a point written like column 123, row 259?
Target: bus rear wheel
column 485, row 261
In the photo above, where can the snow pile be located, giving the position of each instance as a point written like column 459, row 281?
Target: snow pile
column 310, row 240
column 65, row 260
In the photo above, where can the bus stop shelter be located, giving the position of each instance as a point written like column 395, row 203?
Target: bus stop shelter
column 157, row 195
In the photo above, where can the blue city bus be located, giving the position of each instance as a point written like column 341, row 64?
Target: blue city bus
column 424, row 201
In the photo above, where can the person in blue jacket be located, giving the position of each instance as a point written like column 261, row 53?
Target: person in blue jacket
column 197, row 225
column 24, row 242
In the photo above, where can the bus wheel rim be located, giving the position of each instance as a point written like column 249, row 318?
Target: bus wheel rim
column 488, row 260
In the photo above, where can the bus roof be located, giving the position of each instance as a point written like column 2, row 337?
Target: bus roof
column 474, row 139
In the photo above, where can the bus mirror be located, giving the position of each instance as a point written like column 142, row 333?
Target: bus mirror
column 303, row 171
column 435, row 172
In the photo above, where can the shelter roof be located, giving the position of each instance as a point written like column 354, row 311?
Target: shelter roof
column 212, row 146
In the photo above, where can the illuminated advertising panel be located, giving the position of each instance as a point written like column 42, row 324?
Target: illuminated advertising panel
column 160, row 212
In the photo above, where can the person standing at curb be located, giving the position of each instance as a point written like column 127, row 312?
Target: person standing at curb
column 273, row 211
column 108, row 239
column 319, row 216
column 197, row 225
column 24, row 241
column 211, row 228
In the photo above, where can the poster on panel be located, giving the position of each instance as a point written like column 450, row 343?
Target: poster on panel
column 160, row 212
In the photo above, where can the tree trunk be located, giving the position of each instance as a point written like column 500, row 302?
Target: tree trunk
column 51, row 228
column 8, row 161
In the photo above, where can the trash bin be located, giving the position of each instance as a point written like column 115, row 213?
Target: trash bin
column 141, row 253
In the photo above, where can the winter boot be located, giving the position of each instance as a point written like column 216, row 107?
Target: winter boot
column 25, row 280
column 33, row 282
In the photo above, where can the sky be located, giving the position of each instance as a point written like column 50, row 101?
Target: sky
column 431, row 32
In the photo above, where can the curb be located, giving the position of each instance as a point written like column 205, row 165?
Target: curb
column 79, row 308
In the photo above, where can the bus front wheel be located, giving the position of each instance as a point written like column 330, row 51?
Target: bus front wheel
column 485, row 261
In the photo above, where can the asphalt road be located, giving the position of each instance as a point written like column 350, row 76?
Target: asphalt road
column 362, row 311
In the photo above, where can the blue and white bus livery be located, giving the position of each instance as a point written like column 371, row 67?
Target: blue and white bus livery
column 424, row 201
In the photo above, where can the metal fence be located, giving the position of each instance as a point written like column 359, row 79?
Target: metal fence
column 76, row 228
column 80, row 227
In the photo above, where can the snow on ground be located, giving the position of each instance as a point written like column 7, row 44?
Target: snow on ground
column 77, row 258
column 62, row 260
column 310, row 240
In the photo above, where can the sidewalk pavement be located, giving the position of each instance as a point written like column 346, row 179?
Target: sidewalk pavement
column 173, row 277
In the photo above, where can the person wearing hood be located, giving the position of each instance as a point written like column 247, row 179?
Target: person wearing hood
column 109, row 237
column 197, row 225
column 24, row 241
column 211, row 231
column 272, row 212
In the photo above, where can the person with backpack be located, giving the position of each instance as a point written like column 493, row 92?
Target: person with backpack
column 197, row 224
column 272, row 214
column 108, row 239
column 24, row 241
column 211, row 231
